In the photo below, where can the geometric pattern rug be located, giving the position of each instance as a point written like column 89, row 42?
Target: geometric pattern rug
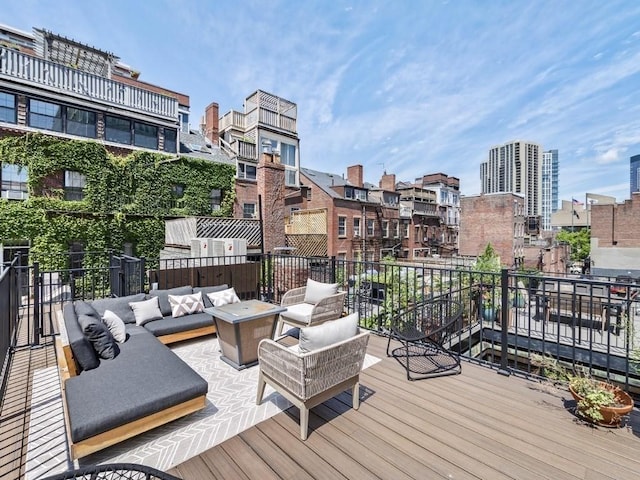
column 230, row 409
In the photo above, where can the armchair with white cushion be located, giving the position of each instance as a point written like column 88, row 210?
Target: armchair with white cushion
column 326, row 362
column 310, row 305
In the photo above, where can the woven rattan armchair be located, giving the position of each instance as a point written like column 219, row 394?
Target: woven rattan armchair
column 302, row 314
column 308, row 379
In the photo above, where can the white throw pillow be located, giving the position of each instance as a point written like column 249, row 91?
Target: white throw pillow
column 115, row 325
column 146, row 311
column 185, row 304
column 334, row 331
column 316, row 291
column 223, row 297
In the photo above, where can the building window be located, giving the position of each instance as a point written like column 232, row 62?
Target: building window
column 145, row 136
column 416, row 237
column 74, row 183
column 45, row 115
column 370, row 227
column 405, row 229
column 385, row 228
column 177, row 193
column 342, row 226
column 216, row 199
column 356, row 226
column 184, row 122
column 249, row 210
column 117, row 130
column 246, row 171
column 170, row 140
column 81, row 122
column 14, row 181
column 396, row 228
column 288, row 154
column 7, row 107
column 290, row 177
column 309, row 190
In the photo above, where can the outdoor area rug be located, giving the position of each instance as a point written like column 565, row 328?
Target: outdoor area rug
column 230, row 410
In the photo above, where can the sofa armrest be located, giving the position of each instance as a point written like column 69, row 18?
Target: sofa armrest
column 283, row 365
column 293, row 296
column 66, row 362
column 329, row 308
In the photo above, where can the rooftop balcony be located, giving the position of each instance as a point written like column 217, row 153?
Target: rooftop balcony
column 495, row 420
column 30, row 71
column 262, row 110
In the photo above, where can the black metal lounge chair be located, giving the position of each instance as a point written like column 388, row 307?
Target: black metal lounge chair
column 423, row 331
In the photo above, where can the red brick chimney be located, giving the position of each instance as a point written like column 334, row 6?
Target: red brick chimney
column 271, row 189
column 388, row 182
column 211, row 123
column 354, row 175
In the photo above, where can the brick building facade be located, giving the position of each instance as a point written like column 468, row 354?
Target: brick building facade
column 498, row 219
column 615, row 238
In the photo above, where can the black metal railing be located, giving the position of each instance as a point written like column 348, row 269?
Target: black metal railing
column 9, row 302
column 509, row 318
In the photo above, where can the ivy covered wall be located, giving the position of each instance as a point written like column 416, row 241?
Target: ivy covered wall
column 125, row 199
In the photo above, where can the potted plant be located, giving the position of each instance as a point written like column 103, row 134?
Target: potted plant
column 600, row 402
column 490, row 304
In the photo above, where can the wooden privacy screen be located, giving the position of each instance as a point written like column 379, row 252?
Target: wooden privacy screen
column 244, row 277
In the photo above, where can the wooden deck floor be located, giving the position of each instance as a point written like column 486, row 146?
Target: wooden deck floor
column 475, row 425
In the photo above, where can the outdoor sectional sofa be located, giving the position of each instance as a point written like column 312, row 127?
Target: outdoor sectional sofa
column 144, row 386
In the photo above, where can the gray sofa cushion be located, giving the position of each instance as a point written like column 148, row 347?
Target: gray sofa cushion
column 119, row 306
column 206, row 300
column 169, row 325
column 145, row 378
column 83, row 308
column 82, row 349
column 163, row 297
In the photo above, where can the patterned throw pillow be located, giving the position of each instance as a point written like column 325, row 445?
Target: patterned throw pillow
column 185, row 304
column 223, row 297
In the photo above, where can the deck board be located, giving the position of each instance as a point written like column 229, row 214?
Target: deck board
column 478, row 424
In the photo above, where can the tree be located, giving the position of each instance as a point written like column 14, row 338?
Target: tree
column 580, row 242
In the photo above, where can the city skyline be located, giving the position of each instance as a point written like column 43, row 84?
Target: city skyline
column 410, row 88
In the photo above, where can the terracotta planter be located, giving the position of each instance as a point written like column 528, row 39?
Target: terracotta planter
column 611, row 415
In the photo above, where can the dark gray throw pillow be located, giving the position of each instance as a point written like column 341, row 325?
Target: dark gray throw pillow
column 103, row 342
column 85, row 320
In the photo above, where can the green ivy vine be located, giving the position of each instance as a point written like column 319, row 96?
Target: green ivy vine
column 125, row 199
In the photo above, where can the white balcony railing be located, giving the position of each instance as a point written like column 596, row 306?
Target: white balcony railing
column 232, row 119
column 58, row 78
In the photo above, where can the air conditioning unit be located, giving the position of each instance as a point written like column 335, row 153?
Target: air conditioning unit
column 235, row 249
column 206, row 247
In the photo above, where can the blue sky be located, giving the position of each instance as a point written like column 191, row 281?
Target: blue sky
column 410, row 87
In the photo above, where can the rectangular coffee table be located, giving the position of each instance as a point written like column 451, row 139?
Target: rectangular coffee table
column 241, row 326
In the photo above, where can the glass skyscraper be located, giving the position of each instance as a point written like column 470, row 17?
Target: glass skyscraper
column 635, row 174
column 549, row 187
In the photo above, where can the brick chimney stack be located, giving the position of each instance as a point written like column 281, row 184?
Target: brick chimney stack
column 354, row 175
column 271, row 188
column 388, row 182
column 211, row 123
